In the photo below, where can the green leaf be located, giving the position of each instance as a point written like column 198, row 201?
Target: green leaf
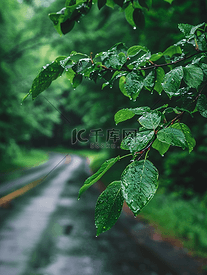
column 95, row 177
column 57, row 19
column 110, row 3
column 78, row 57
column 122, row 82
column 101, row 3
column 70, row 75
column 189, row 140
column 172, row 80
column 123, row 115
column 129, row 15
column 49, row 73
column 172, row 136
column 150, row 120
column 154, row 57
column 149, row 80
column 193, row 75
column 143, row 4
column 137, row 143
column 133, row 84
column 161, row 147
column 185, row 28
column 138, row 17
column 160, row 74
column 139, row 183
column 189, row 30
column 169, row 1
column 172, row 50
column 134, row 50
column 77, row 80
column 108, row 207
column 67, row 26
column 119, row 2
column 140, row 110
column 202, row 105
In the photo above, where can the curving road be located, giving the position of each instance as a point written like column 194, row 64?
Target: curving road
column 49, row 232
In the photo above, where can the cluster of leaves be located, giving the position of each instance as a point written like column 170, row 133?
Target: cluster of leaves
column 180, row 71
column 65, row 19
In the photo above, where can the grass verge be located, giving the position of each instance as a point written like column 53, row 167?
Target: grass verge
column 24, row 159
column 10, row 169
column 175, row 217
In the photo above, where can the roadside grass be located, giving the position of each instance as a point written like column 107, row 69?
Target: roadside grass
column 23, row 159
column 175, row 217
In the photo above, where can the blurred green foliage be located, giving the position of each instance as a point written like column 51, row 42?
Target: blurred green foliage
column 25, row 33
column 177, row 218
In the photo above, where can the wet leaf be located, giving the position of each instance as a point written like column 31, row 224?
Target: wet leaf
column 156, row 56
column 169, row 1
column 139, row 182
column 202, row 105
column 172, row 80
column 119, row 2
column 189, row 140
column 125, row 114
column 160, row 74
column 149, row 80
column 129, row 15
column 133, row 84
column 101, row 3
column 161, row 147
column 95, row 177
column 172, row 136
column 138, row 17
column 138, row 142
column 122, row 82
column 108, row 207
column 70, row 75
column 172, row 50
column 189, row 30
column 49, row 73
column 77, row 80
column 150, row 120
column 193, row 75
column 143, row 4
column 134, row 50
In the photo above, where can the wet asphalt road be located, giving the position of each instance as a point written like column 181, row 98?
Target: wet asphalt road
column 49, row 232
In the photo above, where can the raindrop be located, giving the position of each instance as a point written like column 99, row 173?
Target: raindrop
column 134, row 28
column 162, row 155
